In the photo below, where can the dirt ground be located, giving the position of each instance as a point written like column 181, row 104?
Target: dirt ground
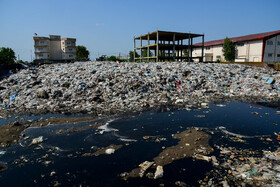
column 190, row 141
column 10, row 133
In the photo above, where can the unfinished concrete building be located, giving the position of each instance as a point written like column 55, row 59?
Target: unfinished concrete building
column 166, row 46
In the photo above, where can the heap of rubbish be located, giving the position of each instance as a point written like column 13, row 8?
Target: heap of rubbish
column 244, row 168
column 107, row 87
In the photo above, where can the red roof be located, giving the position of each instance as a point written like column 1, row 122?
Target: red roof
column 241, row 38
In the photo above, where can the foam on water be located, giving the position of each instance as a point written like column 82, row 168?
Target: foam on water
column 223, row 129
column 106, row 128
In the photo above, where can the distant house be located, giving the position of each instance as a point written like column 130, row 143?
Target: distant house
column 263, row 47
column 101, row 58
column 53, row 48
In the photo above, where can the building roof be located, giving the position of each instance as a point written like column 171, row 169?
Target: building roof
column 168, row 36
column 74, row 39
column 40, row 38
column 241, row 38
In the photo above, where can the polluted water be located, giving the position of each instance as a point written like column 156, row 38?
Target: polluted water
column 233, row 144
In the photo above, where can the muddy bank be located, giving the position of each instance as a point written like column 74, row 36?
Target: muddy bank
column 12, row 132
column 191, row 142
column 76, row 129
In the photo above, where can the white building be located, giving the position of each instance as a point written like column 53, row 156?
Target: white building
column 54, row 48
column 263, row 47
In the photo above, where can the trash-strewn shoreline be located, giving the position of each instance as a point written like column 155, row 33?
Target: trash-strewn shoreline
column 103, row 88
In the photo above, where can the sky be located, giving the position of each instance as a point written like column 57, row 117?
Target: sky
column 108, row 26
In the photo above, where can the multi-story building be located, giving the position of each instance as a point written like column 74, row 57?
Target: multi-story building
column 54, row 48
column 262, row 47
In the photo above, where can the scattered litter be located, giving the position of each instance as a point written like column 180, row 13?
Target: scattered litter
column 2, row 152
column 36, row 141
column 52, row 173
column 144, row 166
column 159, row 172
column 204, row 105
column 220, row 105
column 110, row 151
column 200, row 116
column 202, row 157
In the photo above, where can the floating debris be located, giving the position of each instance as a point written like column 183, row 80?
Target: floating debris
column 159, row 172
column 36, row 141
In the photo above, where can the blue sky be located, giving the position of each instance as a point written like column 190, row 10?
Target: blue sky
column 108, row 26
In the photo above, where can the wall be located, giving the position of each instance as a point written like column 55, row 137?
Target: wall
column 42, row 56
column 55, row 50
column 68, row 48
column 43, row 48
column 273, row 50
column 251, row 51
column 217, row 51
column 255, row 51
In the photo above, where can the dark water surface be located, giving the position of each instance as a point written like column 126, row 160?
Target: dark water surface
column 104, row 170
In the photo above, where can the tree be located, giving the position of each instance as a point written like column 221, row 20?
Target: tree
column 7, row 56
column 81, row 53
column 228, row 50
column 131, row 56
column 185, row 52
column 112, row 58
column 145, row 53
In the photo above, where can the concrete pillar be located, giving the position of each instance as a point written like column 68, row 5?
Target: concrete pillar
column 202, row 52
column 148, row 52
column 140, row 49
column 174, row 53
column 189, row 48
column 182, row 51
column 157, row 46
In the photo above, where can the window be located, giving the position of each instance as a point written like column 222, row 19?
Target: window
column 70, row 56
column 41, row 55
column 68, row 43
column 269, row 42
column 63, row 49
column 218, row 56
column 278, row 43
column 62, row 42
column 42, row 42
column 40, row 49
column 240, row 44
column 207, row 48
column 70, row 49
column 278, row 55
column 269, row 55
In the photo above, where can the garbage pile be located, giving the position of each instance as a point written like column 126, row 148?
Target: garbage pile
column 109, row 87
column 245, row 168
